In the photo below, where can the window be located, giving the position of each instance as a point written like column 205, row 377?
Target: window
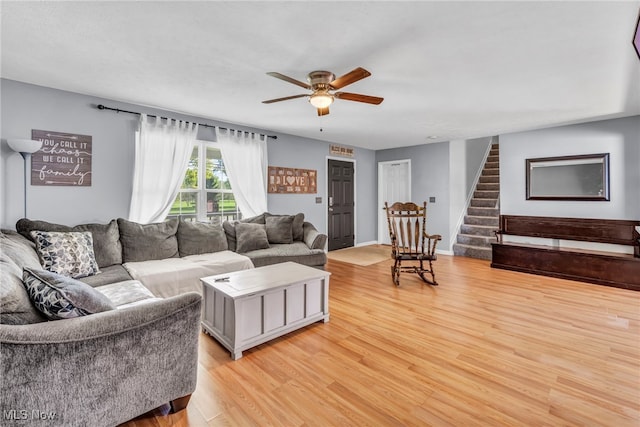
column 205, row 194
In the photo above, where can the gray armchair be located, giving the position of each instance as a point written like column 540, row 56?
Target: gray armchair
column 103, row 369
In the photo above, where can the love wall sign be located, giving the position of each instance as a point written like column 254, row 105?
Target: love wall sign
column 64, row 159
column 292, row 180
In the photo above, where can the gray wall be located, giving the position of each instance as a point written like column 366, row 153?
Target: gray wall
column 442, row 170
column 619, row 137
column 429, row 178
column 446, row 171
column 25, row 107
column 305, row 153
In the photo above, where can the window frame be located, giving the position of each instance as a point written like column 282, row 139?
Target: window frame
column 202, row 215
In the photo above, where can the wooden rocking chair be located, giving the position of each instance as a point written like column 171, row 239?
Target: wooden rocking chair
column 410, row 242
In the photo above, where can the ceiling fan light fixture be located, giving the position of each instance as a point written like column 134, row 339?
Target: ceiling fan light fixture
column 321, row 100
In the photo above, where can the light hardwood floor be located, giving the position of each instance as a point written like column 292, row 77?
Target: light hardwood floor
column 486, row 347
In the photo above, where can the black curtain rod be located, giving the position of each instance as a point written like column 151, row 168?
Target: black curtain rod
column 117, row 110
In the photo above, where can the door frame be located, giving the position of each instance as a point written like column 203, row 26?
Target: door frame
column 326, row 197
column 383, row 228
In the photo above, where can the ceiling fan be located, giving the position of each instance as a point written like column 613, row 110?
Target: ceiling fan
column 324, row 84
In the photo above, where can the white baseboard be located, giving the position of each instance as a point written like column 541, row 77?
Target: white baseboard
column 372, row 242
column 443, row 252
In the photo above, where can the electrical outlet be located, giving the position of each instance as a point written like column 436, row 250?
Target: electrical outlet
column 318, row 200
column 432, row 199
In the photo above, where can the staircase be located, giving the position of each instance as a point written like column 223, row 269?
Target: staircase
column 476, row 233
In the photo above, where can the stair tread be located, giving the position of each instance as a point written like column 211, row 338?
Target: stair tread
column 482, row 248
column 474, row 231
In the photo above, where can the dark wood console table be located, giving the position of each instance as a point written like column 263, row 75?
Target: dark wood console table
column 604, row 268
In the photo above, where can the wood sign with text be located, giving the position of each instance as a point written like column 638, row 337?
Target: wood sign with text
column 64, row 159
column 340, row 151
column 291, row 180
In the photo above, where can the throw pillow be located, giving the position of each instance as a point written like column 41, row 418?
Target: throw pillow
column 106, row 237
column 251, row 237
column 230, row 228
column 279, row 229
column 196, row 238
column 258, row 219
column 143, row 242
column 297, row 227
column 70, row 254
column 106, row 242
column 60, row 297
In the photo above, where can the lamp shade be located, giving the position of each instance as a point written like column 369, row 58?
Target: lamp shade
column 24, row 145
column 321, row 100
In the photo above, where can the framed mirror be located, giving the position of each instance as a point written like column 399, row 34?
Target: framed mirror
column 582, row 177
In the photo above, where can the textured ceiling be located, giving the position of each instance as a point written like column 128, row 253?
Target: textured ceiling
column 446, row 69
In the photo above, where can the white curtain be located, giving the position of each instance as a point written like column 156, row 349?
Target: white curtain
column 245, row 159
column 162, row 153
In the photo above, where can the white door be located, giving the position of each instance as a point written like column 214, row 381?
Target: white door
column 394, row 185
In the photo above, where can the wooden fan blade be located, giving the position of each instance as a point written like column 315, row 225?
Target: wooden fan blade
column 289, row 79
column 357, row 97
column 351, row 77
column 323, row 111
column 270, row 101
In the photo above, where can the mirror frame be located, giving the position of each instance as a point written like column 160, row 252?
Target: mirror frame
column 578, row 160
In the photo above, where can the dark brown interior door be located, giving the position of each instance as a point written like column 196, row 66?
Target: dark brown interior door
column 340, row 204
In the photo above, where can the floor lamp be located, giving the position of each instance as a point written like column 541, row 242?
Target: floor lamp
column 25, row 147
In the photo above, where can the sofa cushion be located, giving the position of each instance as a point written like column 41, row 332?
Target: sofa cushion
column 230, row 228
column 106, row 237
column 170, row 277
column 67, row 253
column 142, row 242
column 279, row 228
column 111, row 274
column 297, row 252
column 251, row 237
column 61, row 297
column 297, row 226
column 196, row 238
column 126, row 293
column 20, row 250
column 15, row 306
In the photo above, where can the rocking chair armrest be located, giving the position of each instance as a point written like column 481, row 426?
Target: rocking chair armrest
column 432, row 241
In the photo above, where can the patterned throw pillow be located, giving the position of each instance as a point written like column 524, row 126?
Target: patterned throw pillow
column 69, row 254
column 59, row 297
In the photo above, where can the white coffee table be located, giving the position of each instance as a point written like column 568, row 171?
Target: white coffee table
column 249, row 307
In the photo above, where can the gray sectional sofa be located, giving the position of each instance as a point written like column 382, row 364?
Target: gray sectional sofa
column 169, row 258
column 110, row 366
